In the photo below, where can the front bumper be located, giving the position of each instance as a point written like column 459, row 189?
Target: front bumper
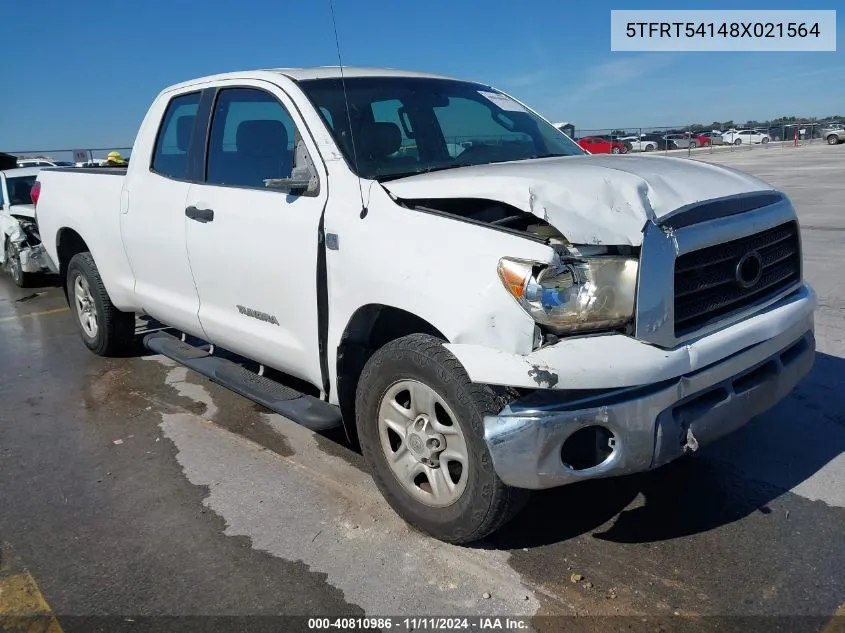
column 655, row 423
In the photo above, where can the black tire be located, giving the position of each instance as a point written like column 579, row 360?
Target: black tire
column 615, row 150
column 693, row 144
column 833, row 139
column 115, row 334
column 649, row 147
column 738, row 141
column 486, row 503
column 707, row 143
column 765, row 140
column 12, row 265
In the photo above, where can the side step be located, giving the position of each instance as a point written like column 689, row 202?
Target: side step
column 303, row 409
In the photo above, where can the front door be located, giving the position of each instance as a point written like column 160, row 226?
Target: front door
column 253, row 250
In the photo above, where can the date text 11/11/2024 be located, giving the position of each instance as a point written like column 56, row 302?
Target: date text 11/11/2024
column 421, row 623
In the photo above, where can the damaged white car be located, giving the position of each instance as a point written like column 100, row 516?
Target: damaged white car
column 516, row 315
column 22, row 254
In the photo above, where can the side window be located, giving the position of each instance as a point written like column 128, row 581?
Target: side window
column 252, row 139
column 2, row 202
column 170, row 157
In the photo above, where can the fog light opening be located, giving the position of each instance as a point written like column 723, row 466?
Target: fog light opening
column 588, row 447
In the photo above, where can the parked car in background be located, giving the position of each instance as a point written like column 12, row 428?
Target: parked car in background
column 738, row 137
column 834, row 134
column 21, row 251
column 639, row 143
column 684, row 141
column 43, row 162
column 659, row 140
column 599, row 145
column 714, row 138
column 611, row 138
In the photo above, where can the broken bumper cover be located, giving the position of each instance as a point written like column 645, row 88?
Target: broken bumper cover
column 654, row 424
column 34, row 259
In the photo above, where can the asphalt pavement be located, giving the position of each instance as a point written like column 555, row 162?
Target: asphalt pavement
column 132, row 487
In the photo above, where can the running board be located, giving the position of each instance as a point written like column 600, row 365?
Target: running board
column 303, row 409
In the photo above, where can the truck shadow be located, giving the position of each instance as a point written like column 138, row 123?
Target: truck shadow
column 727, row 481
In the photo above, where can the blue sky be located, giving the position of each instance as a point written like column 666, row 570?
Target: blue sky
column 82, row 74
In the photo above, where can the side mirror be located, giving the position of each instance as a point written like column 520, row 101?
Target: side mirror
column 303, row 180
column 294, row 186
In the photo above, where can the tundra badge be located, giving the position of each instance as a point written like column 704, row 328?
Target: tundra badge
column 255, row 314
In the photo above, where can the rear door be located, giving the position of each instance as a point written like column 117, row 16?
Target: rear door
column 253, row 250
column 153, row 219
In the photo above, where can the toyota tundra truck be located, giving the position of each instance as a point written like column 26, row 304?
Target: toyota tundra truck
column 426, row 262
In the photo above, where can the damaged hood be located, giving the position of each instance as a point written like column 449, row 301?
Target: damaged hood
column 593, row 199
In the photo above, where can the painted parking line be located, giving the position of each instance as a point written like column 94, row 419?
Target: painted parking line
column 23, row 608
column 837, row 622
column 30, row 315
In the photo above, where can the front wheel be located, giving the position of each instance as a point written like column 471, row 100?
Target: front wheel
column 765, row 140
column 421, row 425
column 707, row 143
column 105, row 330
column 833, row 139
column 738, row 141
column 13, row 266
column 649, row 148
column 615, row 150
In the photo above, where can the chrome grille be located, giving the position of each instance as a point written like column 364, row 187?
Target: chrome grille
column 715, row 282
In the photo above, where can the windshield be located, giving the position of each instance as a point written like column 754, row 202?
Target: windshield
column 19, row 188
column 407, row 125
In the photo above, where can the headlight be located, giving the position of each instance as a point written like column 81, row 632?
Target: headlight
column 585, row 294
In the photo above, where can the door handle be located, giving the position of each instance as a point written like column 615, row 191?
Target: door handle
column 200, row 215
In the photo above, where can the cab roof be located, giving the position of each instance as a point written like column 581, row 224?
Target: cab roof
column 302, row 74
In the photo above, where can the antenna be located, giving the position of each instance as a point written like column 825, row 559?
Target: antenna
column 348, row 113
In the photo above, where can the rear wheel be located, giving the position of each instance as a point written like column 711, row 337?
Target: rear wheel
column 765, row 140
column 832, row 139
column 105, row 330
column 649, row 148
column 738, row 141
column 693, row 144
column 12, row 265
column 615, row 150
column 420, row 422
column 707, row 143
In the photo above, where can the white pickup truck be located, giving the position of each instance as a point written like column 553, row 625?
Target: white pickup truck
column 520, row 316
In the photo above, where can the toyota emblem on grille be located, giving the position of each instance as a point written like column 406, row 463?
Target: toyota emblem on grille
column 749, row 269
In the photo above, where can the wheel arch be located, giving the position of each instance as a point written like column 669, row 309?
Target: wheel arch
column 68, row 244
column 369, row 328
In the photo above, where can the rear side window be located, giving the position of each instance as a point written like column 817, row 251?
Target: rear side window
column 170, row 157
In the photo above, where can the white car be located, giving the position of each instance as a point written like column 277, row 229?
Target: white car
column 522, row 316
column 738, row 137
column 21, row 251
column 43, row 162
column 638, row 144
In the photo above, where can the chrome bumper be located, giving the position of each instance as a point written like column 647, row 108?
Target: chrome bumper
column 651, row 425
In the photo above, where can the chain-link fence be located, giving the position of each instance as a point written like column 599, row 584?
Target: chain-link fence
column 686, row 139
column 68, row 157
column 675, row 140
